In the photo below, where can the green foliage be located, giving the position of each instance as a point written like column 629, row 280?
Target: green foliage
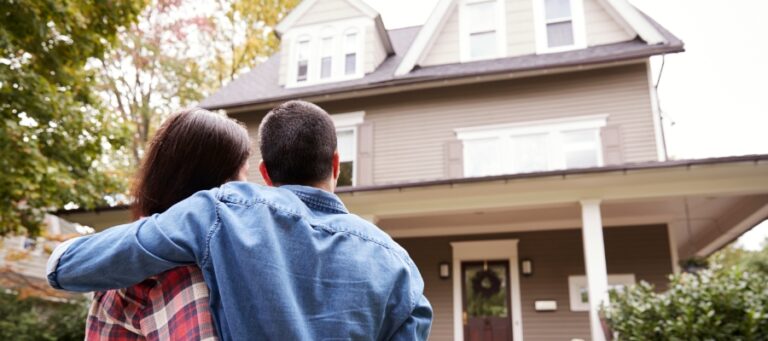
column 712, row 304
column 53, row 133
column 733, row 256
column 36, row 319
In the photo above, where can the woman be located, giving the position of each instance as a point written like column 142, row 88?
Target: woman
column 193, row 150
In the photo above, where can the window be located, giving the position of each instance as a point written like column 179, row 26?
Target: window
column 579, row 295
column 350, row 53
column 346, row 145
column 533, row 146
column 326, row 58
column 346, row 141
column 561, row 24
column 302, row 57
column 480, row 23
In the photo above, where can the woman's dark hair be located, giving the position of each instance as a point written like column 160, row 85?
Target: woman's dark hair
column 193, row 150
column 297, row 142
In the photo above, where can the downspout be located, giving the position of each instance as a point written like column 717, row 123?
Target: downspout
column 660, row 111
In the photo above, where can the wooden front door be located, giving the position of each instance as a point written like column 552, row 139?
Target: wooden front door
column 486, row 301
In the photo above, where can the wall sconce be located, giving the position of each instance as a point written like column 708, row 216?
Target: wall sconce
column 526, row 267
column 444, row 270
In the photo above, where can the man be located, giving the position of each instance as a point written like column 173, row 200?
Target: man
column 282, row 262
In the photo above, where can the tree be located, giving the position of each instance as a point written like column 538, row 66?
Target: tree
column 53, row 131
column 178, row 52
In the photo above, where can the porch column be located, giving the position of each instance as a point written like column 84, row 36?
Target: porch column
column 594, row 259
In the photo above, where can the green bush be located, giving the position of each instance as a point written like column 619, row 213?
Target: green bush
column 37, row 319
column 713, row 304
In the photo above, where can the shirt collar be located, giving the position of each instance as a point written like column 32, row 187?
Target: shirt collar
column 317, row 198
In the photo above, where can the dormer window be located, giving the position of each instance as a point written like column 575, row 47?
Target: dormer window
column 482, row 29
column 326, row 57
column 561, row 25
column 350, row 52
column 328, row 53
column 302, row 60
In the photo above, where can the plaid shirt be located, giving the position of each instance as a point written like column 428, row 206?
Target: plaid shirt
column 170, row 306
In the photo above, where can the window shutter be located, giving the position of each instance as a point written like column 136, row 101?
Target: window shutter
column 365, row 154
column 454, row 159
column 612, row 154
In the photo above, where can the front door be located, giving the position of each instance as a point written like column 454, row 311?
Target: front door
column 486, row 303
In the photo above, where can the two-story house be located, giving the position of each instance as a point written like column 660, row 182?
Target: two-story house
column 513, row 147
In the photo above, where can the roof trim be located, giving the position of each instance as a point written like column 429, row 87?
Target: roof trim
column 758, row 158
column 304, row 6
column 426, row 36
column 630, row 16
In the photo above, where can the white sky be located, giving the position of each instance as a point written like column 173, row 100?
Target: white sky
column 714, row 95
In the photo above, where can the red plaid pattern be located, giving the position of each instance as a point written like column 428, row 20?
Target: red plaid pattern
column 170, row 306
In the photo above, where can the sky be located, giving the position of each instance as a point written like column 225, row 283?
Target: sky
column 714, row 96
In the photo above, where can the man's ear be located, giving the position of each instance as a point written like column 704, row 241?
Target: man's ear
column 336, row 167
column 264, row 173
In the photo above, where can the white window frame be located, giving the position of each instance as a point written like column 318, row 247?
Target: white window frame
column 577, row 20
column 554, row 128
column 315, row 34
column 501, row 30
column 295, row 59
column 350, row 122
column 577, row 283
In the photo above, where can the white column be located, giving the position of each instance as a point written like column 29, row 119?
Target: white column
column 594, row 258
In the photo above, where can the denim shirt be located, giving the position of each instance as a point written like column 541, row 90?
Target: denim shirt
column 286, row 263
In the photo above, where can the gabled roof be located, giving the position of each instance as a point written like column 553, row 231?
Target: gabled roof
column 304, row 6
column 623, row 12
column 260, row 86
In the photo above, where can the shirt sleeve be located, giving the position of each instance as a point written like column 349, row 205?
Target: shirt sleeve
column 418, row 324
column 121, row 256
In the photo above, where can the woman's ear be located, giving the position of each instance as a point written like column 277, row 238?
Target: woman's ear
column 264, row 173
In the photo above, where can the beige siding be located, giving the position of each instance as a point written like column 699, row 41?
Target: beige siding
column 374, row 53
column 445, row 48
column 643, row 251
column 601, row 27
column 412, row 129
column 521, row 35
column 328, row 10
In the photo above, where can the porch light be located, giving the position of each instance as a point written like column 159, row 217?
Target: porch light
column 444, row 270
column 526, row 267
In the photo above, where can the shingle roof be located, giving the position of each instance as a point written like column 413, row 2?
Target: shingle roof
column 260, row 85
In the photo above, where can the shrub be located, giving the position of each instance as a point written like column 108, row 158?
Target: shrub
column 712, row 304
column 37, row 319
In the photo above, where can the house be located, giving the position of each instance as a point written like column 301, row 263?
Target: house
column 513, row 147
column 23, row 259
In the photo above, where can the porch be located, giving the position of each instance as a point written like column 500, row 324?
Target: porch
column 635, row 220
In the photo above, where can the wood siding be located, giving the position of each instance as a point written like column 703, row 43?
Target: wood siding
column 412, row 130
column 521, row 29
column 601, row 27
column 643, row 251
column 445, row 47
column 328, row 10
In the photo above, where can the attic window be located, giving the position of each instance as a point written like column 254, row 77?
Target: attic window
column 302, row 54
column 350, row 53
column 326, row 57
column 482, row 29
column 560, row 25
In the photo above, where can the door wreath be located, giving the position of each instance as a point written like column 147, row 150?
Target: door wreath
column 486, row 283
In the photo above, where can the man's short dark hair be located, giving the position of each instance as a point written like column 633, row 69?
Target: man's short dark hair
column 297, row 141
